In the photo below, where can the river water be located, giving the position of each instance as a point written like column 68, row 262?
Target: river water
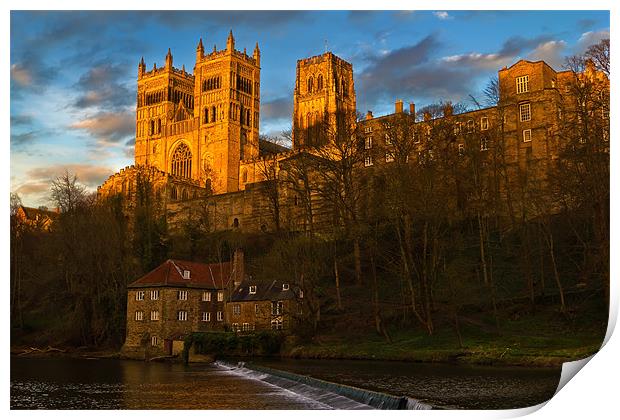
column 126, row 384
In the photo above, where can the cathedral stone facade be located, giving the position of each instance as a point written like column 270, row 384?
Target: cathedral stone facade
column 197, row 135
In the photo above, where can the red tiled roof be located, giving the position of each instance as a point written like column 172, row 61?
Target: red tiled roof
column 170, row 273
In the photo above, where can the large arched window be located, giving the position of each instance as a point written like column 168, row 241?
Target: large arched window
column 182, row 161
column 319, row 82
column 310, row 84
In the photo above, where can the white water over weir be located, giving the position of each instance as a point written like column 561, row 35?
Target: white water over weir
column 330, row 394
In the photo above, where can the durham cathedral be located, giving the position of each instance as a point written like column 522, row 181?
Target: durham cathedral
column 197, row 134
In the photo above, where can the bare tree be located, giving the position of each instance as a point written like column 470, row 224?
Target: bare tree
column 67, row 194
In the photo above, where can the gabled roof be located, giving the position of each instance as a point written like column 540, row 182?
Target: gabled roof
column 522, row 61
column 32, row 213
column 170, row 273
column 265, row 290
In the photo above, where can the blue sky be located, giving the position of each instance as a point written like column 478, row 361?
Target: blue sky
column 73, row 74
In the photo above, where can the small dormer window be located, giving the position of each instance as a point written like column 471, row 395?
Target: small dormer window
column 186, row 274
column 252, row 290
column 285, row 287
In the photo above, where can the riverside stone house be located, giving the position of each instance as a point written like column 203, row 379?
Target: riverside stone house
column 264, row 305
column 181, row 297
column 175, row 299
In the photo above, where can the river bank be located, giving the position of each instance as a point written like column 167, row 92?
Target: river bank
column 483, row 354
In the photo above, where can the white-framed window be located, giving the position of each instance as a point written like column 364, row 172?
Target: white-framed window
column 523, row 84
column 457, row 128
column 186, row 274
column 154, row 315
column 368, row 143
column 277, row 307
column 139, row 315
column 484, row 144
column 461, row 149
column 276, row 324
column 206, row 296
column 525, row 112
column 220, row 315
column 154, row 341
column 220, row 296
column 140, row 295
column 246, row 326
column 388, row 139
column 389, row 157
column 252, row 290
column 235, row 326
column 206, row 316
column 236, row 309
column 285, row 286
column 182, row 315
column 470, row 126
column 182, row 295
column 368, row 161
column 484, row 123
column 256, row 309
column 527, row 135
column 301, row 294
column 154, row 294
column 368, row 129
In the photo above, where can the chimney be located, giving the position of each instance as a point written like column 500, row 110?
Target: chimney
column 427, row 116
column 448, row 110
column 411, row 108
column 398, row 106
column 369, row 115
column 238, row 267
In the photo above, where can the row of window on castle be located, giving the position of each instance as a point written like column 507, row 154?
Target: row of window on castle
column 426, row 155
column 181, row 295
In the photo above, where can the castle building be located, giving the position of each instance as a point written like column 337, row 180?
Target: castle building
column 197, row 135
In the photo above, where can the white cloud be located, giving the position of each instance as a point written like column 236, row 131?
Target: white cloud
column 551, row 52
column 442, row 15
column 591, row 38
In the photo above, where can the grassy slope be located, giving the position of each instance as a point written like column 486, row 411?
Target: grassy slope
column 542, row 338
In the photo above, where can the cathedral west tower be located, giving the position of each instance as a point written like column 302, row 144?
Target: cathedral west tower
column 199, row 127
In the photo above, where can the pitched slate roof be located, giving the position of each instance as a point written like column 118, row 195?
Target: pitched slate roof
column 170, row 273
column 265, row 290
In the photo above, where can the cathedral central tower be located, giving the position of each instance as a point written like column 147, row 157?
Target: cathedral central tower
column 324, row 92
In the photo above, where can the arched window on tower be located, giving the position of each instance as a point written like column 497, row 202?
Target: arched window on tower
column 205, row 117
column 310, row 84
column 158, row 126
column 182, row 161
column 213, row 114
column 173, row 193
column 319, row 82
column 152, row 127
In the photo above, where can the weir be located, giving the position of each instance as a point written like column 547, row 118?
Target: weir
column 333, row 395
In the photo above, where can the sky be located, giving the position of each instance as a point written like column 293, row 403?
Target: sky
column 73, row 74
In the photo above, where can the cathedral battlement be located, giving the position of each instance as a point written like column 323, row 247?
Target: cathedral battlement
column 316, row 59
